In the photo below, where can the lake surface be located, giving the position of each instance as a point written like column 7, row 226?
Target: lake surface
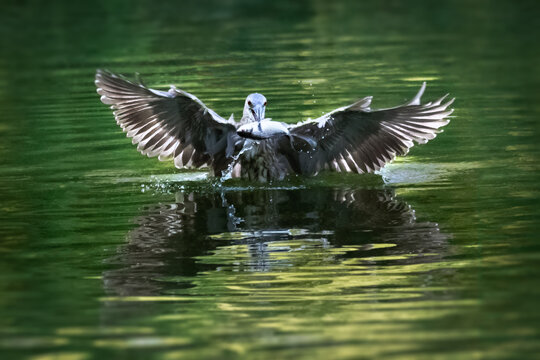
column 108, row 254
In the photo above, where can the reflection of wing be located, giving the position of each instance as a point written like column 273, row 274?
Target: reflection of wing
column 386, row 219
column 358, row 139
column 172, row 125
column 166, row 240
column 376, row 208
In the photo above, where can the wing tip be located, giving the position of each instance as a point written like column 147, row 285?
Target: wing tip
column 416, row 99
column 362, row 104
column 106, row 100
column 102, row 73
column 104, row 76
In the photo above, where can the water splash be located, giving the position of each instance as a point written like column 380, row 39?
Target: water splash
column 168, row 183
column 227, row 174
column 232, row 220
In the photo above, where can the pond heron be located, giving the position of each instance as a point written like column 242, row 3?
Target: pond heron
column 355, row 138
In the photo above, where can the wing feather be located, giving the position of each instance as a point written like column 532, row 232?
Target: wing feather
column 173, row 124
column 358, row 139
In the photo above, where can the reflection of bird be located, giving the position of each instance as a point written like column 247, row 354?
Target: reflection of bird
column 176, row 125
column 172, row 239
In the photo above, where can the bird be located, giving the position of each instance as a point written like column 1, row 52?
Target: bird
column 176, row 125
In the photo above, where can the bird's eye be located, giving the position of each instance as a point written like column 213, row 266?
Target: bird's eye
column 265, row 103
column 249, row 103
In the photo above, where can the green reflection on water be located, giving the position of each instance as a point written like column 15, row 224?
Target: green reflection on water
column 109, row 254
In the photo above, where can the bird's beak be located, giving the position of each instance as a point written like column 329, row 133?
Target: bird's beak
column 259, row 112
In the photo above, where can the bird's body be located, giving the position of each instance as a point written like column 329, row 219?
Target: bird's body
column 177, row 125
column 261, row 161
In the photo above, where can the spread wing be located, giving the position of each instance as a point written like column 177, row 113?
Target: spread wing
column 171, row 125
column 357, row 139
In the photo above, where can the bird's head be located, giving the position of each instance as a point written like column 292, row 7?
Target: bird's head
column 255, row 107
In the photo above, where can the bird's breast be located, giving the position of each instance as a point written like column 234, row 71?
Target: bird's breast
column 259, row 161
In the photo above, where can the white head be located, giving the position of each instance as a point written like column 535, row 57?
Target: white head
column 255, row 107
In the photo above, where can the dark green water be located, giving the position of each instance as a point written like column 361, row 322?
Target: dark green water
column 107, row 254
